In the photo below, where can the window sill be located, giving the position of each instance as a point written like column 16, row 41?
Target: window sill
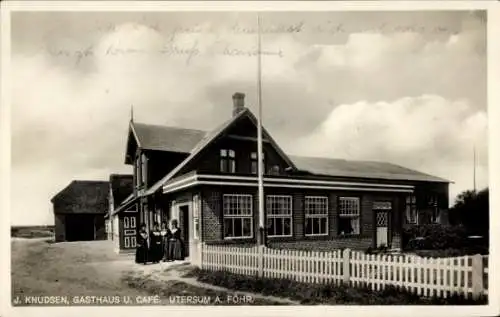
column 237, row 238
column 347, row 236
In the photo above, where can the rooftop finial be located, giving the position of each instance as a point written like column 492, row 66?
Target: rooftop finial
column 132, row 113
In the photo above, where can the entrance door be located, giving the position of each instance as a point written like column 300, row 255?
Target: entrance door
column 184, row 226
column 382, row 211
column 80, row 227
column 129, row 232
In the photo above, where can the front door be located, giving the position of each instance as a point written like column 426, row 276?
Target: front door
column 184, row 226
column 382, row 215
column 129, row 231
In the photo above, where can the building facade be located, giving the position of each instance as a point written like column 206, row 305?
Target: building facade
column 121, row 226
column 208, row 182
column 79, row 211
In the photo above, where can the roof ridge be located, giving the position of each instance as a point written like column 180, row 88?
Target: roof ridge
column 167, row 126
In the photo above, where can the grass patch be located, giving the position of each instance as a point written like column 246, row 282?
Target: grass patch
column 328, row 294
column 167, row 290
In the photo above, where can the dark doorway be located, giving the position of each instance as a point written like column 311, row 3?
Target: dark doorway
column 80, row 227
column 184, row 226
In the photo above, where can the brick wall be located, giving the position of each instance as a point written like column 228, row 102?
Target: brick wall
column 324, row 245
column 212, row 219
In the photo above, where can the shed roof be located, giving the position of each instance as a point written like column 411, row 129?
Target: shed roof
column 82, row 196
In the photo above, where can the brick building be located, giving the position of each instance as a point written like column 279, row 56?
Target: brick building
column 79, row 211
column 208, row 181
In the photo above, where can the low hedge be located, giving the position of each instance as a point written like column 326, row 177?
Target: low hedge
column 329, row 294
column 436, row 236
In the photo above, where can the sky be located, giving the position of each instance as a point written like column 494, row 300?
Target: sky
column 403, row 87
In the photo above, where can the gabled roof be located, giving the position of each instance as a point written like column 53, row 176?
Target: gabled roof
column 164, row 138
column 82, row 196
column 209, row 138
column 121, row 187
column 194, row 141
column 360, row 169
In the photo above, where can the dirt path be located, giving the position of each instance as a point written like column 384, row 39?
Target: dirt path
column 40, row 268
column 75, row 269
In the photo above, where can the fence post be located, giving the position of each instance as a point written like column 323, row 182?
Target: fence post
column 260, row 262
column 345, row 265
column 477, row 275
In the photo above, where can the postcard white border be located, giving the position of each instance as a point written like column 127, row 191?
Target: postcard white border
column 493, row 46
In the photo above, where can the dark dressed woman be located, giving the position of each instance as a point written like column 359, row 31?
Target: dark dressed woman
column 176, row 248
column 141, row 253
column 156, row 251
column 165, row 237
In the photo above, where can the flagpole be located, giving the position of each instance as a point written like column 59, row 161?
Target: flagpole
column 260, row 172
column 474, row 173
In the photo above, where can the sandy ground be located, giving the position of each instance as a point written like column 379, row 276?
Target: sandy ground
column 42, row 268
column 76, row 269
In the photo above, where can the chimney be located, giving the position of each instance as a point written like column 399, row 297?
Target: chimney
column 238, row 103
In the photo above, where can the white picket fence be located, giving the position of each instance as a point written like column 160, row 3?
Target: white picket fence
column 424, row 276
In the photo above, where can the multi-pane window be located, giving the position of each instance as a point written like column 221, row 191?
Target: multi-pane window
column 433, row 205
column 254, row 166
column 316, row 212
column 279, row 215
column 238, row 219
column 196, row 216
column 411, row 209
column 227, row 161
column 348, row 222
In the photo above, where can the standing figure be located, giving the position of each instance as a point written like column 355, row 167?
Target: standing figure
column 156, row 252
column 141, row 253
column 176, row 251
column 165, row 237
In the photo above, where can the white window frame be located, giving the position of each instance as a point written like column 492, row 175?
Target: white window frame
column 433, row 204
column 356, row 215
column 280, row 216
column 228, row 157
column 254, row 159
column 316, row 216
column 230, row 216
column 411, row 205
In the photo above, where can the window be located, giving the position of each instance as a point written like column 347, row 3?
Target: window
column 316, row 209
column 138, row 172
column 238, row 216
column 144, row 171
column 411, row 210
column 279, row 216
column 433, row 205
column 348, row 215
column 253, row 160
column 196, row 217
column 227, row 161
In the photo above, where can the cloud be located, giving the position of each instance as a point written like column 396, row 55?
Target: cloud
column 72, row 97
column 427, row 133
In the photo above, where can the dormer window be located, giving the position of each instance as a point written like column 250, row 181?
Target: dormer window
column 227, row 161
column 253, row 159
